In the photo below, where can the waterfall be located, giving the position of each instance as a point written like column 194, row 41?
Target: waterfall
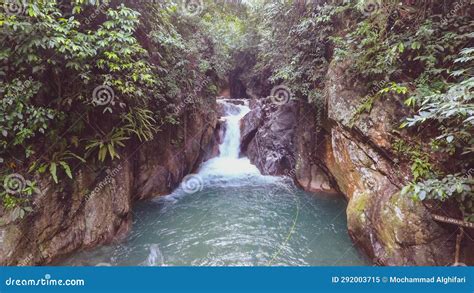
column 230, row 148
column 228, row 164
column 230, row 214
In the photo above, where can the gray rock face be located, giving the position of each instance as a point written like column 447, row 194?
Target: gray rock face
column 181, row 150
column 249, row 125
column 279, row 140
column 331, row 152
column 95, row 208
column 269, row 144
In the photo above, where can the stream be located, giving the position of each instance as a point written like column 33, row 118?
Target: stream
column 228, row 214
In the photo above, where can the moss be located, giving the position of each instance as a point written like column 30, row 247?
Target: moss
column 366, row 106
column 360, row 202
column 391, row 224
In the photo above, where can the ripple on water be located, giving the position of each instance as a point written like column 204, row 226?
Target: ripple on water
column 238, row 217
column 273, row 223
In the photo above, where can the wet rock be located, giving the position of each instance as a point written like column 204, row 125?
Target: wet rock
column 249, row 126
column 180, row 152
column 270, row 146
column 95, row 208
column 392, row 229
column 235, row 101
column 312, row 142
column 224, row 109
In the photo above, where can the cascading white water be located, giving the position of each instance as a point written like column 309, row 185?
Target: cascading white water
column 230, row 148
column 230, row 214
column 228, row 163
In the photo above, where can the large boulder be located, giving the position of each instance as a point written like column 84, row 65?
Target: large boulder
column 249, row 126
column 268, row 137
column 95, row 209
column 392, row 229
column 281, row 140
column 312, row 142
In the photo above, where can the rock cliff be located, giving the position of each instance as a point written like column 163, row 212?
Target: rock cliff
column 327, row 150
column 96, row 207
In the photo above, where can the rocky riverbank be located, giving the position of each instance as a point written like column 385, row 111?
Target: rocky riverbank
column 96, row 208
column 329, row 151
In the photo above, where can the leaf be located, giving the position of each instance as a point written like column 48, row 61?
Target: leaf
column 422, row 195
column 66, row 168
column 405, row 190
column 102, row 154
column 53, row 170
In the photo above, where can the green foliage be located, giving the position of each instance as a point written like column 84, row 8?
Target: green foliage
column 292, row 45
column 455, row 186
column 81, row 79
column 19, row 202
column 107, row 145
column 21, row 120
column 421, row 165
column 426, row 68
column 368, row 103
column 58, row 159
column 141, row 123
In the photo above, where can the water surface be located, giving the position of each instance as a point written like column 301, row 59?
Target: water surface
column 229, row 214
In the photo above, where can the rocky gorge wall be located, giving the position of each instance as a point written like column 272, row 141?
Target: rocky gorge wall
column 96, row 207
column 333, row 153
